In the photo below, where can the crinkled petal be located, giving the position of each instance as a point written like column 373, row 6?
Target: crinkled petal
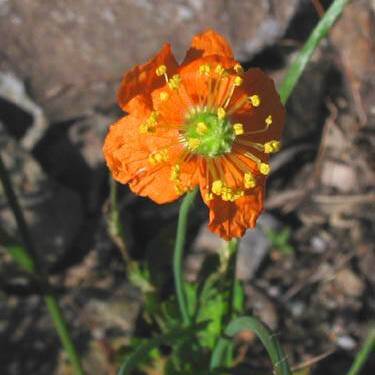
column 231, row 219
column 121, row 149
column 127, row 155
column 155, row 184
column 256, row 82
column 139, row 82
column 208, row 43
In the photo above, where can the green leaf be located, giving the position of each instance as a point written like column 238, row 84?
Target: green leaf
column 362, row 356
column 20, row 255
column 179, row 335
column 268, row 340
column 17, row 251
column 212, row 308
column 299, row 64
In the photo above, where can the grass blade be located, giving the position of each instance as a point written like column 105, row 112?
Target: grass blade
column 363, row 354
column 320, row 31
column 268, row 340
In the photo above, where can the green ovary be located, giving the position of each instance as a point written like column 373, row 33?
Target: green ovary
column 207, row 134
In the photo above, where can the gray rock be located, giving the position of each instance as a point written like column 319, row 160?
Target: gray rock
column 13, row 90
column 73, row 53
column 254, row 246
column 52, row 211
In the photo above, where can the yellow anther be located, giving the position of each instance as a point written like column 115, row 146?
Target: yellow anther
column 254, row 100
column 264, row 168
column 208, row 196
column 201, row 128
column 272, row 146
column 276, row 145
column 217, row 187
column 179, row 189
column 175, row 173
column 164, row 96
column 161, row 70
column 174, row 82
column 238, row 69
column 249, row 180
column 227, row 194
column 221, row 113
column 219, row 69
column 193, row 143
column 204, row 69
column 269, row 120
column 238, row 194
column 149, row 126
column 238, row 129
column 158, row 157
column 237, row 81
column 146, row 128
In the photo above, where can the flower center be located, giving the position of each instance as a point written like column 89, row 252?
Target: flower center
column 209, row 133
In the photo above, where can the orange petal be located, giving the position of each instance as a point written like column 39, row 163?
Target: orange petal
column 208, row 43
column 140, row 81
column 127, row 155
column 121, row 149
column 231, row 219
column 156, row 182
column 197, row 86
column 156, row 185
column 256, row 82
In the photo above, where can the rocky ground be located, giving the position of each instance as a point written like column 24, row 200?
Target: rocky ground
column 308, row 267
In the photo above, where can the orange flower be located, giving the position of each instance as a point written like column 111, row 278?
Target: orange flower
column 205, row 122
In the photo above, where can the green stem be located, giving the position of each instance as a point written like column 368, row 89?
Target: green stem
column 26, row 257
column 321, row 30
column 115, row 226
column 178, row 255
column 233, row 250
column 363, row 354
column 63, row 332
column 17, row 212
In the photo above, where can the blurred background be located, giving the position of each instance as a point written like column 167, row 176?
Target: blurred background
column 308, row 267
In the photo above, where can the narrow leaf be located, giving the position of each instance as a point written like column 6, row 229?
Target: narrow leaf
column 268, row 340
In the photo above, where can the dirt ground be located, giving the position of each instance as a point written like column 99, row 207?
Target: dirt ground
column 308, row 268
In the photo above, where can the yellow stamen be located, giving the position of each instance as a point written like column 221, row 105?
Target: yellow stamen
column 264, row 168
column 238, row 194
column 204, row 69
column 209, row 196
column 219, row 69
column 179, row 189
column 272, row 146
column 221, row 113
column 254, row 100
column 164, row 96
column 238, row 69
column 146, row 128
column 158, row 157
column 268, row 120
column 217, row 186
column 149, row 126
column 201, row 128
column 249, row 180
column 227, row 194
column 193, row 143
column 238, row 129
column 174, row 82
column 238, row 81
column 175, row 173
column 161, row 70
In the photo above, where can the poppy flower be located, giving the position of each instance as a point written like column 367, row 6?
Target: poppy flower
column 205, row 123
